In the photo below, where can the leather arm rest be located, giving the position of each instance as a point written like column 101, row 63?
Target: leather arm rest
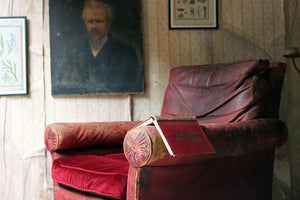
column 60, row 136
column 144, row 147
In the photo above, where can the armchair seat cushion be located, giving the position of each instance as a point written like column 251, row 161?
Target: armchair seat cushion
column 105, row 175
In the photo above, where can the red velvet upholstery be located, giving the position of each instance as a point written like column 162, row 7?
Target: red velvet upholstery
column 237, row 107
column 105, row 175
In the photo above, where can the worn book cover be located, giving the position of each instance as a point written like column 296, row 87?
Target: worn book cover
column 181, row 135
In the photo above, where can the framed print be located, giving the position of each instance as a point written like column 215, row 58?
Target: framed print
column 96, row 47
column 191, row 14
column 13, row 56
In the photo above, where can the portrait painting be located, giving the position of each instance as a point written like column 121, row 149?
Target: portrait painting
column 95, row 47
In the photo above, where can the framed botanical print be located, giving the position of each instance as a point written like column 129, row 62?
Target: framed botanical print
column 95, row 46
column 193, row 14
column 13, row 56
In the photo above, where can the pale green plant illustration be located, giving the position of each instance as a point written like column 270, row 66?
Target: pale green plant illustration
column 1, row 45
column 9, row 71
column 11, row 44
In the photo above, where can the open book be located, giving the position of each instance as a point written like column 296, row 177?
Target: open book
column 180, row 134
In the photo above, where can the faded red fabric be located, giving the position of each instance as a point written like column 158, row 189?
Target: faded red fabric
column 246, row 94
column 105, row 175
column 228, row 139
column 63, row 193
column 247, row 177
column 86, row 151
column 60, row 136
column 138, row 148
column 217, row 93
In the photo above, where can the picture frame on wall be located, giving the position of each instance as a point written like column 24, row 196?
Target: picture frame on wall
column 13, row 56
column 96, row 47
column 193, row 14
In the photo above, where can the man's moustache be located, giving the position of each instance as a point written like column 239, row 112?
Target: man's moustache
column 95, row 30
column 92, row 32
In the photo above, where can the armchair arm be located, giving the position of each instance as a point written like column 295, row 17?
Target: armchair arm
column 144, row 146
column 60, row 136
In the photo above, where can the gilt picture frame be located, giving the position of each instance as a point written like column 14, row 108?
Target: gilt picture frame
column 193, row 14
column 13, row 56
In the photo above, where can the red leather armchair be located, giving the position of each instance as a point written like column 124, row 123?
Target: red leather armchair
column 236, row 106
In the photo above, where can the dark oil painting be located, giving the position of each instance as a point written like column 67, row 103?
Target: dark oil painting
column 96, row 47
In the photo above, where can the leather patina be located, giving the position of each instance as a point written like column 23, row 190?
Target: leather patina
column 236, row 105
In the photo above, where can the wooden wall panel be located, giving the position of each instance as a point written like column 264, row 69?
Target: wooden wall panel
column 292, row 104
column 246, row 31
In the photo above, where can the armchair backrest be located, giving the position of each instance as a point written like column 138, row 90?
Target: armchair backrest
column 225, row 93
